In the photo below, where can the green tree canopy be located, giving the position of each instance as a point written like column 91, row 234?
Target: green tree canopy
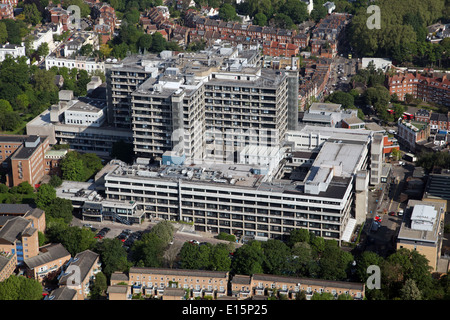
column 45, row 196
column 20, row 288
column 112, row 255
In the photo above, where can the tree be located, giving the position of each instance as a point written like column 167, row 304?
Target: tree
column 45, row 196
column 283, row 21
column 32, row 14
column 3, row 33
column 99, row 286
column 248, row 259
column 105, row 50
column 276, row 255
column 227, row 12
column 164, row 230
column 55, row 181
column 20, row 288
column 410, row 291
column 5, row 106
column 298, row 235
column 25, row 188
column 366, row 259
column 72, row 167
column 296, row 10
column 149, row 250
column 60, row 208
column 189, row 256
column 260, row 19
column 220, row 257
column 334, row 263
column 74, row 239
column 145, row 42
column 43, row 50
column 344, row 98
column 322, row 296
column 158, row 42
column 112, row 255
column 301, row 256
column 86, row 50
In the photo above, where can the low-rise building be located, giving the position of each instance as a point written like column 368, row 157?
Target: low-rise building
column 411, row 132
column 13, row 50
column 35, row 215
column 201, row 283
column 79, row 273
column 79, row 62
column 82, row 137
column 48, row 262
column 23, row 158
column 422, row 229
column 19, row 238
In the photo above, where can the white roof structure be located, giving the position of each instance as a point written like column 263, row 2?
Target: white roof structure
column 423, row 217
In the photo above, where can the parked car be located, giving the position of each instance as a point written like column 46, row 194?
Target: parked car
column 194, row 242
column 122, row 237
column 87, row 225
column 392, row 213
column 100, row 235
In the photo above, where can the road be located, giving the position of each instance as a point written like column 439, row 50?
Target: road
column 382, row 200
column 341, row 67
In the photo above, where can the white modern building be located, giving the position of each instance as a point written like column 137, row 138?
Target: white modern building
column 42, row 35
column 82, row 63
column 85, row 114
column 241, row 199
column 72, row 122
column 327, row 114
column 12, row 50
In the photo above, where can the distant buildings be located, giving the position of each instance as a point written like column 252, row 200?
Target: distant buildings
column 424, row 86
column 6, row 11
column 437, row 121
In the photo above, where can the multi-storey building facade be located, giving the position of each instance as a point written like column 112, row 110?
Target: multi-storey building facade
column 23, row 158
column 122, row 80
column 48, row 262
column 427, row 87
column 154, row 281
column 411, row 132
column 437, row 121
column 79, row 273
column 242, row 199
column 13, row 50
column 19, row 238
column 244, row 287
column 206, row 104
column 183, row 284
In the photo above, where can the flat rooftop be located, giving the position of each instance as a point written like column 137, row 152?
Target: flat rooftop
column 408, row 233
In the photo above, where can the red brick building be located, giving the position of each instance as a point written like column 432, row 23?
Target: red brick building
column 277, row 49
column 426, row 86
column 6, row 11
